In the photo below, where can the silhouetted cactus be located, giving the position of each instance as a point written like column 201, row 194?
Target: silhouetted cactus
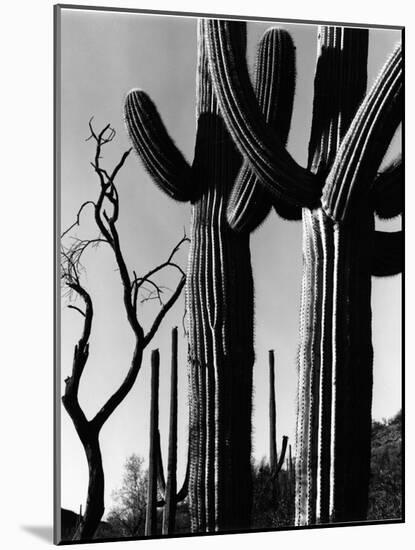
column 274, row 462
column 151, row 513
column 169, row 512
column 340, row 248
column 291, row 476
column 249, row 203
column 262, row 147
column 156, row 479
column 219, row 280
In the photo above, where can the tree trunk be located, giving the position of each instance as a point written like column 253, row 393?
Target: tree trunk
column 94, row 509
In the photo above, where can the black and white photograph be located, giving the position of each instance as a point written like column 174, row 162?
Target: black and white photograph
column 229, row 244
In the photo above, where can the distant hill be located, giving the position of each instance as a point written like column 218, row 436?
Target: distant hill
column 385, row 491
column 385, row 494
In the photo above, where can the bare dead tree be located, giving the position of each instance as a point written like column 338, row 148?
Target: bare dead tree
column 106, row 212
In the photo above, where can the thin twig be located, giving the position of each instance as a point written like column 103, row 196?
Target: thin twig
column 77, row 218
column 77, row 309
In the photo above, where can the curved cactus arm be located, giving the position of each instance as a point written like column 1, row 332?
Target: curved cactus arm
column 355, row 48
column 160, row 156
column 339, row 87
column 278, row 466
column 387, row 255
column 249, row 203
column 183, row 491
column 388, row 191
column 161, row 480
column 169, row 513
column 337, row 96
column 366, row 141
column 259, row 144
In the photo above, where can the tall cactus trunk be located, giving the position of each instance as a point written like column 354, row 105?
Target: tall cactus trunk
column 169, row 511
column 220, row 303
column 335, row 377
column 272, row 412
column 151, row 516
column 335, row 359
column 220, row 377
column 353, row 369
column 221, row 356
column 275, row 463
column 219, row 281
column 219, row 297
column 291, row 483
column 350, row 134
column 157, row 484
column 340, row 254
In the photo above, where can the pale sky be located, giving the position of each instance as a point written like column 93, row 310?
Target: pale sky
column 104, row 55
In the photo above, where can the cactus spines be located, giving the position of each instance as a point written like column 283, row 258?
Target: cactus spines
column 259, row 144
column 159, row 154
column 219, row 287
column 249, row 203
column 334, row 108
column 346, row 198
column 334, row 416
column 340, row 250
column 336, row 96
column 366, row 141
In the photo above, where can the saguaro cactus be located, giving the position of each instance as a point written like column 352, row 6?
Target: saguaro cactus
column 340, row 247
column 219, row 279
column 151, row 515
column 291, row 477
column 156, row 479
column 274, row 462
column 169, row 515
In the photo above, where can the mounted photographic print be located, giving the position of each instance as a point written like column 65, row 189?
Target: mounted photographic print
column 229, row 249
